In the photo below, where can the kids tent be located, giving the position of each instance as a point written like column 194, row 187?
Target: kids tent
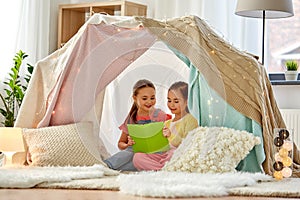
column 91, row 76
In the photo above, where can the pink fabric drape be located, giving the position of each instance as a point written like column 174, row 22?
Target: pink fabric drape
column 99, row 56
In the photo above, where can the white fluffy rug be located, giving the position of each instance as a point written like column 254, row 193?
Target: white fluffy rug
column 27, row 177
column 152, row 184
column 181, row 184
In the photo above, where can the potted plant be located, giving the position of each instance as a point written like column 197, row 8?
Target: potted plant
column 14, row 90
column 291, row 72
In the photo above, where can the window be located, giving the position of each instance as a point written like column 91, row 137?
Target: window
column 283, row 41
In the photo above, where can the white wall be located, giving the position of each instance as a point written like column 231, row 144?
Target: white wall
column 287, row 96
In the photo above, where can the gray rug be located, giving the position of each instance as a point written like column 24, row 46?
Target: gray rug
column 289, row 187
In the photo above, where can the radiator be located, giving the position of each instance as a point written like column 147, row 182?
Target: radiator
column 292, row 121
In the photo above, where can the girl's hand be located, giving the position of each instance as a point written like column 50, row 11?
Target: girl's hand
column 125, row 141
column 166, row 132
column 130, row 141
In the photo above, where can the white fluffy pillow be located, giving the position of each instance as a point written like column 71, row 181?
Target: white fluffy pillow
column 62, row 145
column 212, row 150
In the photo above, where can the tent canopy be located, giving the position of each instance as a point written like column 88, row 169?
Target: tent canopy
column 91, row 76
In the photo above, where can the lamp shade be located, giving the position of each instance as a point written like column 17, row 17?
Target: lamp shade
column 273, row 8
column 11, row 139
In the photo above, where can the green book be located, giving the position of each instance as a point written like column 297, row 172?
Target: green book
column 148, row 138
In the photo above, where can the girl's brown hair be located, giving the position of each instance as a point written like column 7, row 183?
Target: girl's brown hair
column 143, row 83
column 182, row 87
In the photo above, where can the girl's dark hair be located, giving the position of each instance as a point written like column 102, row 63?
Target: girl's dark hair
column 143, row 83
column 182, row 87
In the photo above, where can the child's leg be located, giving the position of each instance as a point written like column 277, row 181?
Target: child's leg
column 121, row 161
column 143, row 161
column 127, row 167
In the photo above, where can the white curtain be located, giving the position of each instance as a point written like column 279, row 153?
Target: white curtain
column 243, row 33
column 9, row 22
column 25, row 25
column 33, row 33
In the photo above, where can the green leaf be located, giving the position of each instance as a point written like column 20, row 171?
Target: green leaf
column 8, row 92
column 3, row 112
column 29, row 68
column 15, row 89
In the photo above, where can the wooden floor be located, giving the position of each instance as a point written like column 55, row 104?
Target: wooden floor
column 61, row 194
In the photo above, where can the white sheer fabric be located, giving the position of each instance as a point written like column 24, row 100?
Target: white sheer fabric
column 159, row 65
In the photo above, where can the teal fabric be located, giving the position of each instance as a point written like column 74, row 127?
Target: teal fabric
column 212, row 110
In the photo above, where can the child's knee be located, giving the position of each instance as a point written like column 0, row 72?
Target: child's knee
column 137, row 158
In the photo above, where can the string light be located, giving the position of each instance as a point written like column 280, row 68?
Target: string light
column 278, row 142
column 288, row 145
column 208, row 102
column 283, row 156
column 277, row 157
column 286, row 172
column 287, row 161
column 278, row 175
column 284, row 134
column 283, row 152
column 278, row 166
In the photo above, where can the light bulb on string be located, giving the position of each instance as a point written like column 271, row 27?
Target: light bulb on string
column 283, row 152
column 278, row 175
column 278, row 166
column 286, row 172
column 284, row 134
column 288, row 145
column 287, row 161
column 277, row 157
column 278, row 142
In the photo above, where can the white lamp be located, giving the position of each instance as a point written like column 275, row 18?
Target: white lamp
column 11, row 141
column 265, row 9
